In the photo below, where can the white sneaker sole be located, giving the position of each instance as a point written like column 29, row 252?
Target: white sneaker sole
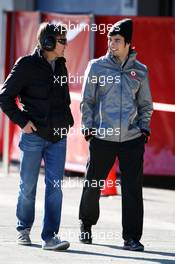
column 22, row 243
column 61, row 246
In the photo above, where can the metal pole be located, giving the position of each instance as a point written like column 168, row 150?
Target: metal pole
column 5, row 153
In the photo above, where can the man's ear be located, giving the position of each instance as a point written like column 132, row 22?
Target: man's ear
column 127, row 45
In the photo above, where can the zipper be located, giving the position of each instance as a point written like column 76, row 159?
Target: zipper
column 100, row 114
column 121, row 72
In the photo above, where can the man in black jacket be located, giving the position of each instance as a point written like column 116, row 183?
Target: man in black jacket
column 40, row 82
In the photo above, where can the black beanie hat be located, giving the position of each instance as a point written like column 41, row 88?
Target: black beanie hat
column 124, row 28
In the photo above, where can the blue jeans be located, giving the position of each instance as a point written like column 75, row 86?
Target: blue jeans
column 33, row 150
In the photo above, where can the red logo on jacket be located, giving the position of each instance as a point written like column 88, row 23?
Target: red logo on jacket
column 133, row 75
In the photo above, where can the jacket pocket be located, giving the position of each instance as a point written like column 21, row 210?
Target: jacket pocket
column 133, row 120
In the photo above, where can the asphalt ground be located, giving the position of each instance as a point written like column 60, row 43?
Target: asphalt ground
column 158, row 237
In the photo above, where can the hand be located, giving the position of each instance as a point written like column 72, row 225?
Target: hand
column 88, row 137
column 87, row 134
column 29, row 128
column 146, row 137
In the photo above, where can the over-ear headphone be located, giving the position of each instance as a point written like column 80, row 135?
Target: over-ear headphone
column 49, row 41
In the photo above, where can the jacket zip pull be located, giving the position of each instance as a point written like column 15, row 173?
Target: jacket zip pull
column 121, row 72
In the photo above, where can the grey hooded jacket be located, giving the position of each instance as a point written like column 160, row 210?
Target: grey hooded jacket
column 116, row 100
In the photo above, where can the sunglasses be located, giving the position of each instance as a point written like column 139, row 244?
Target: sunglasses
column 62, row 41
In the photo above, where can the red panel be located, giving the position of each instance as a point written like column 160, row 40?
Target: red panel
column 8, row 58
column 77, row 52
column 21, row 41
column 26, row 26
column 154, row 40
column 77, row 55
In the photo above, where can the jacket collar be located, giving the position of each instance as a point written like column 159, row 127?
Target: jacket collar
column 38, row 53
column 129, row 61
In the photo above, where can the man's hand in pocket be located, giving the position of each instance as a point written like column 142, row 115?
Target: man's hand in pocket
column 29, row 128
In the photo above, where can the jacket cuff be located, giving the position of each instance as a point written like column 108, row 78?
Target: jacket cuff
column 146, row 132
column 22, row 121
column 144, row 126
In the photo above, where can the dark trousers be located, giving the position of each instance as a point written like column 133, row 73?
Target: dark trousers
column 102, row 157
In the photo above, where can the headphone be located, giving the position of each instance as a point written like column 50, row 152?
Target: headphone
column 49, row 41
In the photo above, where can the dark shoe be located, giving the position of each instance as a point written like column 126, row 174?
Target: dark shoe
column 23, row 237
column 55, row 244
column 133, row 244
column 85, row 234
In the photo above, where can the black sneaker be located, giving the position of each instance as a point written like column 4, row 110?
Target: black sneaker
column 133, row 244
column 85, row 234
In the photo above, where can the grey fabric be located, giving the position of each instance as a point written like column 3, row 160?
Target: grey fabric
column 116, row 100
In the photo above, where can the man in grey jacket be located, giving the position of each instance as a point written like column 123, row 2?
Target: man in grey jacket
column 116, row 110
